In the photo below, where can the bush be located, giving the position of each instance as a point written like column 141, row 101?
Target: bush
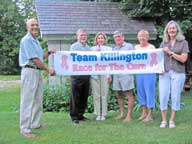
column 56, row 98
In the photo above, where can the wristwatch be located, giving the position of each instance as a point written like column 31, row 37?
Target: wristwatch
column 171, row 53
column 49, row 52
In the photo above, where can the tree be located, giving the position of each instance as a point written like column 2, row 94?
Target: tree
column 12, row 29
column 163, row 11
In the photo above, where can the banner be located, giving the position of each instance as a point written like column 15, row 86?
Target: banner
column 108, row 62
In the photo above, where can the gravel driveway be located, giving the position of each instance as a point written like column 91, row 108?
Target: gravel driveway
column 10, row 83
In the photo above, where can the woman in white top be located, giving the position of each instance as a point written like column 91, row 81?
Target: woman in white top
column 100, row 83
column 145, row 82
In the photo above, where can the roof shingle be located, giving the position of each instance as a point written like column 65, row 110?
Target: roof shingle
column 61, row 17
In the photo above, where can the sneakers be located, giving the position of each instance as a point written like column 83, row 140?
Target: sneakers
column 102, row 118
column 163, row 124
column 98, row 118
column 172, row 124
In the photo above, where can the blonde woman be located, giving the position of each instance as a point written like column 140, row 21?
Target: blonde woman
column 99, row 83
column 172, row 81
column 145, row 82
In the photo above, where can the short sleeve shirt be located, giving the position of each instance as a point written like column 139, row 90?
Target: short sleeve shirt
column 29, row 48
column 125, row 46
column 178, row 48
column 77, row 46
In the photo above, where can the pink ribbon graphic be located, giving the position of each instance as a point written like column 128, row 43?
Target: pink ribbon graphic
column 153, row 59
column 64, row 62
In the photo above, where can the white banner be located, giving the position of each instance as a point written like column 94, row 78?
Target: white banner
column 108, row 62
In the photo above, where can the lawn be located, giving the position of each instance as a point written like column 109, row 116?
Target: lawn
column 9, row 77
column 61, row 131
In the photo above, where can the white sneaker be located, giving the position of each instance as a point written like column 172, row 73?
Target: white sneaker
column 103, row 118
column 172, row 124
column 163, row 124
column 98, row 118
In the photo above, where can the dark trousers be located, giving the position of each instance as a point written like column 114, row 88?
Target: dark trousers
column 79, row 95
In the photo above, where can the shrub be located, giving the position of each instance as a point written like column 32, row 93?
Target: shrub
column 56, row 98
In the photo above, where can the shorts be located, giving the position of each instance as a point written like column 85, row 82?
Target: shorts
column 123, row 82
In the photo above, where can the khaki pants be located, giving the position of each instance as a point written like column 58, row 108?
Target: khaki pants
column 31, row 99
column 100, row 88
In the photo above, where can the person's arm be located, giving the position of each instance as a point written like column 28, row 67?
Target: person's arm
column 179, row 57
column 41, row 65
column 51, row 51
column 109, row 79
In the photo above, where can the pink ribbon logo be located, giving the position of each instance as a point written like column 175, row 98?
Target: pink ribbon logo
column 153, row 59
column 64, row 62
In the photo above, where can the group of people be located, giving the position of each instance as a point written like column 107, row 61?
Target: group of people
column 171, row 81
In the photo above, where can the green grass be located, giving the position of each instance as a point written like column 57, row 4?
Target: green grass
column 61, row 131
column 9, row 77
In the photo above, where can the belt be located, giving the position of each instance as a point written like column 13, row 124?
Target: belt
column 30, row 66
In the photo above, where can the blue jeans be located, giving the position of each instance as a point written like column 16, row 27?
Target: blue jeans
column 171, row 84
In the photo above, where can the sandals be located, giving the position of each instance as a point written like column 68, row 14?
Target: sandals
column 147, row 119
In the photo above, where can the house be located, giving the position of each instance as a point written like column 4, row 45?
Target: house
column 60, row 19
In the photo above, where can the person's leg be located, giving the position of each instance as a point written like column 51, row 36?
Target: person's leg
column 173, row 114
column 177, row 83
column 104, row 93
column 143, row 112
column 141, row 95
column 75, row 96
column 28, row 90
column 130, row 106
column 96, row 96
column 120, row 99
column 83, row 96
column 172, row 119
column 37, row 103
column 164, row 119
column 149, row 115
column 150, row 88
column 164, row 93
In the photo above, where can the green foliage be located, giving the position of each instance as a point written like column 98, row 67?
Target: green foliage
column 56, row 98
column 161, row 12
column 9, row 77
column 60, row 130
column 90, row 107
column 26, row 8
column 12, row 29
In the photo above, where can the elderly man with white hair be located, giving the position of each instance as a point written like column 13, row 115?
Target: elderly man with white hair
column 31, row 60
column 123, row 84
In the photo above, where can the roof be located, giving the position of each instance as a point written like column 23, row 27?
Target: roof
column 61, row 17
